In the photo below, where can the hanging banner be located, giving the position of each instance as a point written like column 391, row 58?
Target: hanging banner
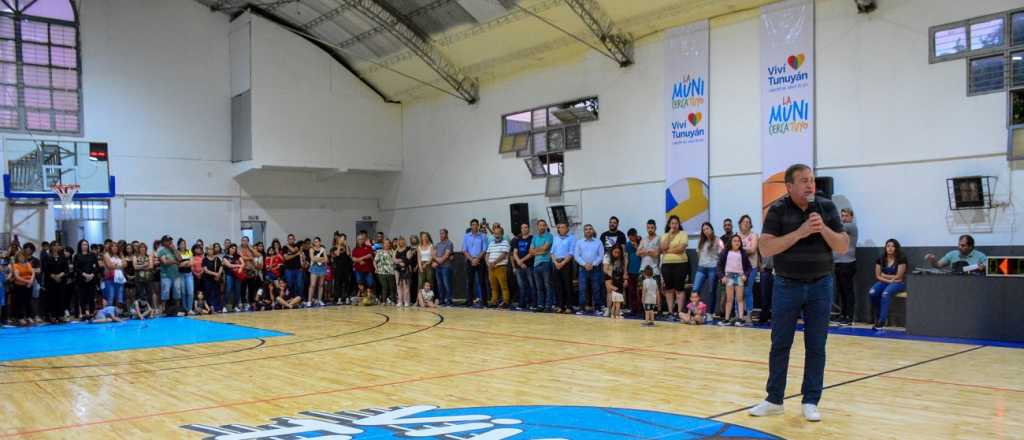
column 787, row 93
column 686, row 124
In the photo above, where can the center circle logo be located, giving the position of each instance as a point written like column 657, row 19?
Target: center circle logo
column 491, row 423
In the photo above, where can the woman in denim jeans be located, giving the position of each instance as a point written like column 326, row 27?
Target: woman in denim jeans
column 890, row 270
column 749, row 238
column 708, row 249
column 232, row 263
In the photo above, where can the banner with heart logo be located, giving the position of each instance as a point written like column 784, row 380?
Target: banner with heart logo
column 787, row 93
column 686, row 126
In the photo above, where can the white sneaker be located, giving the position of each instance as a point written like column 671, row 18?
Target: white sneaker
column 811, row 412
column 765, row 408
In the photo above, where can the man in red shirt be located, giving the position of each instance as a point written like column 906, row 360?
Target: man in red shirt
column 362, row 259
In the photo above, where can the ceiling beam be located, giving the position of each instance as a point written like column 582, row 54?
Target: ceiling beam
column 618, row 44
column 417, row 41
column 325, row 17
column 436, row 4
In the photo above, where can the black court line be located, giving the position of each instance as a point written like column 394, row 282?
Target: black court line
column 870, row 376
column 259, row 344
column 127, row 373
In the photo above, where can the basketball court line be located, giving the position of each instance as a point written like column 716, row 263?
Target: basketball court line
column 183, row 358
column 126, row 373
column 567, row 341
column 309, row 394
column 835, row 385
column 435, row 377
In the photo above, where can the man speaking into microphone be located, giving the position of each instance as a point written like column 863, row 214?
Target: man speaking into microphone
column 801, row 231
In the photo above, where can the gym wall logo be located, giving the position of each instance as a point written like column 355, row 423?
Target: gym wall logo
column 780, row 78
column 791, row 116
column 688, row 93
column 686, row 134
column 484, row 423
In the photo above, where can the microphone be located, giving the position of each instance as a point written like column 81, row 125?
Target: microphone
column 812, row 205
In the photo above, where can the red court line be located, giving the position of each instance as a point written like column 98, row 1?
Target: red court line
column 708, row 356
column 721, row 358
column 309, row 394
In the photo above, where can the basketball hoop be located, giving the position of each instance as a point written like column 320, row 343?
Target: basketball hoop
column 66, row 193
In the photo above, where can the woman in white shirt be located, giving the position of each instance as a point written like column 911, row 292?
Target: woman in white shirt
column 426, row 255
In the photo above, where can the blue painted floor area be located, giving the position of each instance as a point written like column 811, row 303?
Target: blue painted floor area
column 72, row 339
column 901, row 334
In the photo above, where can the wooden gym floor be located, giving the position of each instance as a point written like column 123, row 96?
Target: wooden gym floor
column 352, row 358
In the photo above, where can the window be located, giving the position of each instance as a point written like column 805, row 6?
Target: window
column 541, row 135
column 976, row 36
column 1015, row 135
column 986, row 75
column 1017, row 29
column 40, row 78
column 949, row 42
column 987, row 34
column 1017, row 69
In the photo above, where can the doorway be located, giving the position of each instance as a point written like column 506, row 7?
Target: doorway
column 254, row 230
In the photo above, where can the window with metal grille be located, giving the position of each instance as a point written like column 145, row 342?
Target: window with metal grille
column 40, row 75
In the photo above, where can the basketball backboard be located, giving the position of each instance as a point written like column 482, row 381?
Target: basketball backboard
column 33, row 166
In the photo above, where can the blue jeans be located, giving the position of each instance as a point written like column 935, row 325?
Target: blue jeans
column 883, row 293
column 444, row 284
column 706, row 274
column 790, row 299
column 232, row 291
column 293, row 277
column 748, row 292
column 188, row 289
column 542, row 282
column 113, row 292
column 592, row 279
column 474, row 279
column 169, row 287
column 527, row 290
column 364, row 278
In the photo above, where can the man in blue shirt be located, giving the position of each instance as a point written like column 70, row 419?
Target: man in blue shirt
column 589, row 255
column 473, row 246
column 561, row 253
column 540, row 249
column 965, row 255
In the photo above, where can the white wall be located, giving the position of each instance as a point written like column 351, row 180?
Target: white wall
column 891, row 129
column 308, row 111
column 156, row 87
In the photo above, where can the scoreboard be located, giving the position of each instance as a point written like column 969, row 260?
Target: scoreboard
column 1005, row 267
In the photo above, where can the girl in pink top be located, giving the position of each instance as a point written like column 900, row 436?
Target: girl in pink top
column 733, row 264
column 696, row 311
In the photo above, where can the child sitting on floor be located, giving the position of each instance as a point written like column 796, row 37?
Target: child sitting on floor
column 696, row 310
column 426, row 296
column 201, row 307
column 142, row 310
